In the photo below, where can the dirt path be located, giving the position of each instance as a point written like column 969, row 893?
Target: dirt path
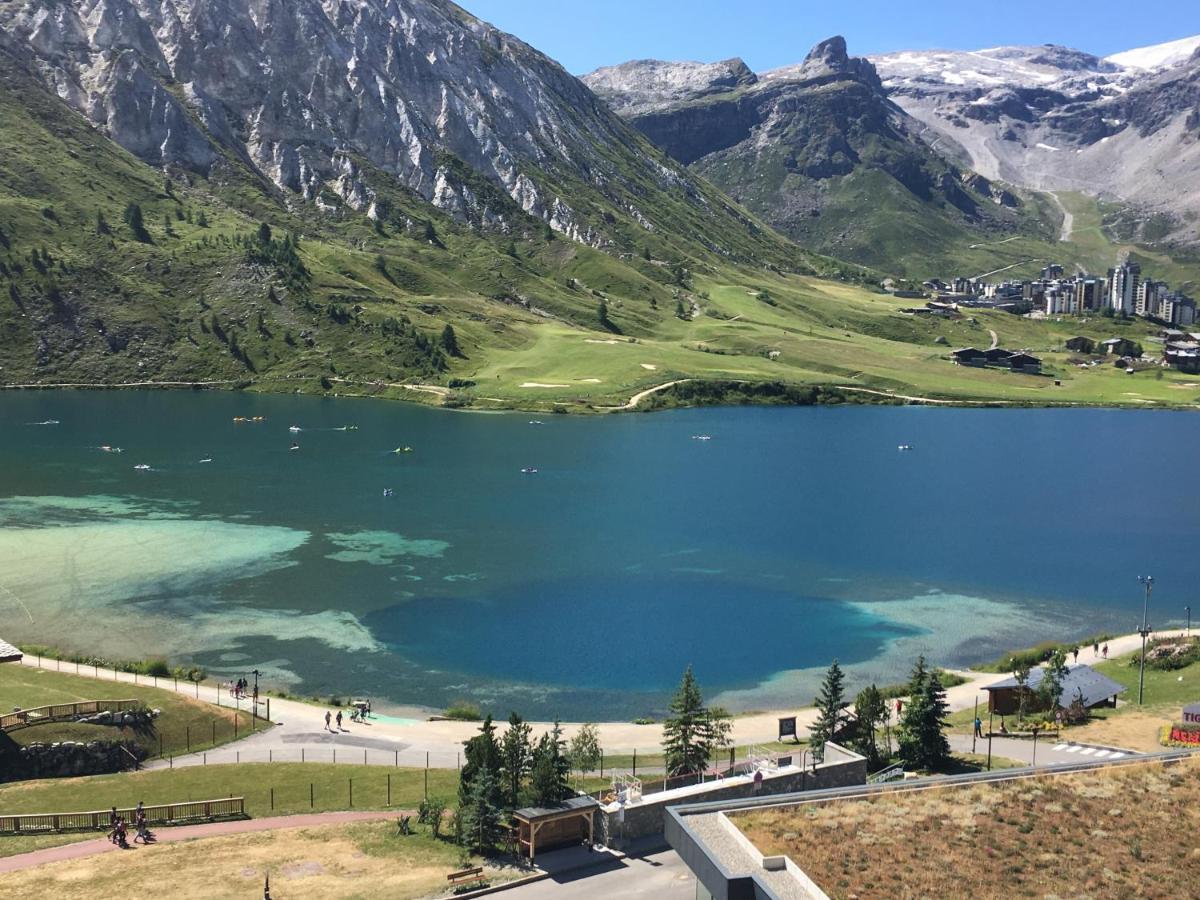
column 188, row 833
column 642, row 395
column 1068, row 222
column 914, row 399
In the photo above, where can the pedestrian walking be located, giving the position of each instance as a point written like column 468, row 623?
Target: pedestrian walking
column 899, row 707
column 978, row 727
column 339, row 720
column 1105, row 651
column 1096, row 649
column 112, row 825
column 1075, row 653
column 328, row 717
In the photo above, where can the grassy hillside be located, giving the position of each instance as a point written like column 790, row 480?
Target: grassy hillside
column 183, row 725
column 323, row 299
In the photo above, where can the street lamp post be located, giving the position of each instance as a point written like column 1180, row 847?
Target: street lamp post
column 1148, row 582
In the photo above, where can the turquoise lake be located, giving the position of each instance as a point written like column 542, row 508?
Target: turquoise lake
column 790, row 537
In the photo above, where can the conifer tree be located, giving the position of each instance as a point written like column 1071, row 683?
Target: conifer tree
column 693, row 732
column 479, row 815
column 922, row 739
column 450, row 341
column 829, row 703
column 549, row 776
column 482, row 755
column 137, row 224
column 515, row 758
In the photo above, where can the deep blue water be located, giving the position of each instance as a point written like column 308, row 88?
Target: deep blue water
column 791, row 537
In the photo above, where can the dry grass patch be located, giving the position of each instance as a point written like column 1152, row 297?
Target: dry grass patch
column 1121, row 832
column 331, row 862
column 1131, row 730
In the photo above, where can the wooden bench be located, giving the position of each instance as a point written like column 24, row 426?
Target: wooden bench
column 465, row 876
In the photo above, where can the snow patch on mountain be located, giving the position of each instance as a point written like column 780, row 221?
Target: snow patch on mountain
column 1157, row 56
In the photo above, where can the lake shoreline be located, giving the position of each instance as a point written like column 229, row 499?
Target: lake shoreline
column 440, row 397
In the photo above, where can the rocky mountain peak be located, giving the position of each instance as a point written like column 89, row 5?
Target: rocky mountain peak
column 830, row 59
column 830, row 52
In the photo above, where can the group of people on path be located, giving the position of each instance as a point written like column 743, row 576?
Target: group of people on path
column 238, row 688
column 118, row 832
column 360, row 711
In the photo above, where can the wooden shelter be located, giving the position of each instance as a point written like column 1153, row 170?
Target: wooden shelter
column 564, row 824
column 1080, row 682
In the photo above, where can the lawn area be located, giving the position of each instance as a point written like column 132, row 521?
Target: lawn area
column 184, row 722
column 355, row 860
column 758, row 326
column 1114, row 832
column 331, row 788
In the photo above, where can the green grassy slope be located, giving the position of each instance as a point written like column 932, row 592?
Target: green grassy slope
column 183, row 724
column 336, row 302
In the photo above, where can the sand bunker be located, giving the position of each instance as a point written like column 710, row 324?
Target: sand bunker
column 538, row 384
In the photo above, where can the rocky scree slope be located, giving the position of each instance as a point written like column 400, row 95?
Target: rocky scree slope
column 1124, row 129
column 313, row 94
column 817, row 149
column 304, row 195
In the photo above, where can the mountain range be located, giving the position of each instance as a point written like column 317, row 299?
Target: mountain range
column 394, row 197
column 864, row 158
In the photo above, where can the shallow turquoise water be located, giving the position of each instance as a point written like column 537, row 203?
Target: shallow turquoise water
column 791, row 537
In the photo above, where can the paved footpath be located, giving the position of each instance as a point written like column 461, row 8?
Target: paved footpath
column 300, row 733
column 655, row 876
column 187, row 833
column 1049, row 751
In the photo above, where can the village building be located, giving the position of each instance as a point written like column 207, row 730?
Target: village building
column 1082, row 683
column 1121, row 347
column 1080, row 345
column 969, row 356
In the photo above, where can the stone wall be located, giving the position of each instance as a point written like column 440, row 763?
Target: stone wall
column 67, row 759
column 841, row 768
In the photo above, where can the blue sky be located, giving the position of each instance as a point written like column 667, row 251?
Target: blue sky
column 586, row 34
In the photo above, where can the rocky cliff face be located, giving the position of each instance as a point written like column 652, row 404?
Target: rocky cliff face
column 311, row 93
column 800, row 146
column 1053, row 118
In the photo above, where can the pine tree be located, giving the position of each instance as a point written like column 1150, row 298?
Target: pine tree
column 692, row 732
column 680, row 312
column 602, row 316
column 201, row 220
column 479, row 815
column 482, row 756
column 264, row 233
column 922, row 739
column 450, row 341
column 515, row 758
column 829, row 703
column 137, row 224
column 549, row 776
column 102, row 224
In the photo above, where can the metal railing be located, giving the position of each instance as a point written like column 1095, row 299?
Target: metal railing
column 891, row 773
column 190, row 812
column 62, row 712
